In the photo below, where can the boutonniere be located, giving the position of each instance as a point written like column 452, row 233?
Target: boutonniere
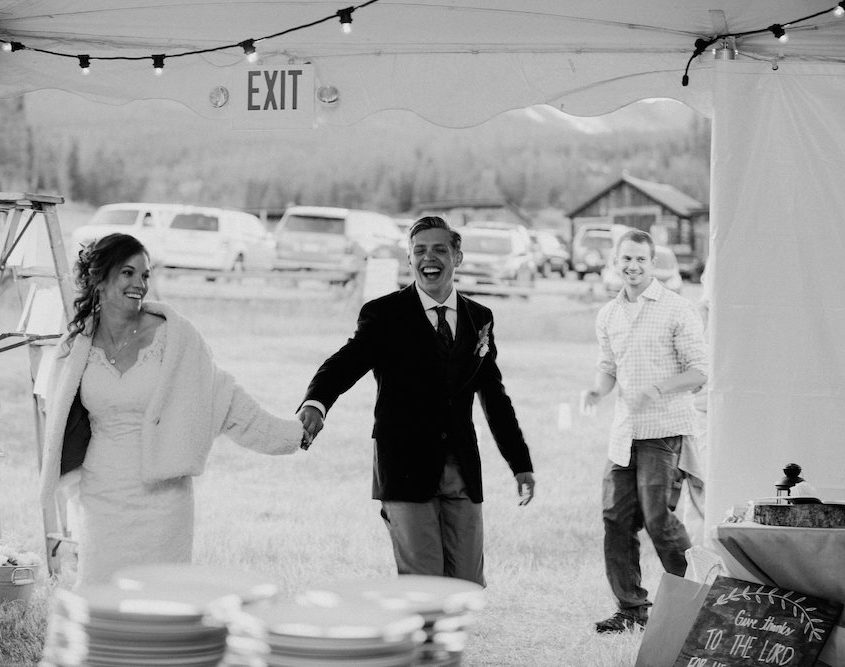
column 483, row 345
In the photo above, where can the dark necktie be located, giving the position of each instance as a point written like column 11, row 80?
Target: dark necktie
column 443, row 330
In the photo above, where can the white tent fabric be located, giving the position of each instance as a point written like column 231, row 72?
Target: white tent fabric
column 454, row 62
column 777, row 370
column 778, row 319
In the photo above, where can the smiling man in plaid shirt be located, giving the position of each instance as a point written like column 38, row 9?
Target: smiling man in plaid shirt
column 652, row 348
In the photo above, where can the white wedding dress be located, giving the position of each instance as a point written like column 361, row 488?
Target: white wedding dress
column 123, row 520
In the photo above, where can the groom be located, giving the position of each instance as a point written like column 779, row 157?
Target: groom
column 431, row 350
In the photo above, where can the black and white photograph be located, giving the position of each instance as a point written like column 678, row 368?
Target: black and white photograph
column 422, row 334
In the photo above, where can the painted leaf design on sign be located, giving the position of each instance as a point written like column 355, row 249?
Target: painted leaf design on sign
column 810, row 630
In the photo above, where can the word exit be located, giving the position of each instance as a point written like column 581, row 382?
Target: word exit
column 274, row 90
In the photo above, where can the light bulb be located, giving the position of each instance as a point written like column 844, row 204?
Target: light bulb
column 248, row 45
column 839, row 10
column 158, row 64
column 778, row 31
column 345, row 16
column 7, row 47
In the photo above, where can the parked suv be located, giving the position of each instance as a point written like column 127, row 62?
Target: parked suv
column 549, row 254
column 520, row 229
column 182, row 236
column 335, row 239
column 219, row 239
column 495, row 257
column 590, row 248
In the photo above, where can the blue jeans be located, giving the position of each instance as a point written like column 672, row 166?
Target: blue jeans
column 639, row 496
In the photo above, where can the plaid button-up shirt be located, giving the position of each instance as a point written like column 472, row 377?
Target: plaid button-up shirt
column 639, row 348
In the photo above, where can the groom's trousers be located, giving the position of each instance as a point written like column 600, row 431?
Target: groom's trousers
column 443, row 536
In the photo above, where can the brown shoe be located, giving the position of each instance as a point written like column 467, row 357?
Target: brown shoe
column 621, row 622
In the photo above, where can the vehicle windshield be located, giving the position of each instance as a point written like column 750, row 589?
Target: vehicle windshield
column 548, row 243
column 596, row 242
column 113, row 216
column 314, row 224
column 195, row 222
column 487, row 245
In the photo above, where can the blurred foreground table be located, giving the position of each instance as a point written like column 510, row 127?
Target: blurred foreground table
column 809, row 560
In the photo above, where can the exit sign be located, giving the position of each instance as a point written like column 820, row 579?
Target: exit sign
column 266, row 98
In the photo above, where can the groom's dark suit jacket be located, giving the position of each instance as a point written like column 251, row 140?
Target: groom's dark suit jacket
column 423, row 407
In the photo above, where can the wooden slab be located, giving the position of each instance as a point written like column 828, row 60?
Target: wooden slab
column 813, row 515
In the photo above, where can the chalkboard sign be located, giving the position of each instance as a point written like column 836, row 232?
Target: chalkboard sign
column 743, row 623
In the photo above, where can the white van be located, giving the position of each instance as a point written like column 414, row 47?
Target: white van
column 146, row 222
column 182, row 236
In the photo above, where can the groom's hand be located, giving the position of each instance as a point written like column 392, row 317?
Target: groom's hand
column 525, row 487
column 312, row 420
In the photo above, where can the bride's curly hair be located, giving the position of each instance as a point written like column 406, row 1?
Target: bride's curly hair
column 94, row 264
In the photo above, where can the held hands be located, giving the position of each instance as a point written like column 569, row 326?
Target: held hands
column 524, row 487
column 312, row 422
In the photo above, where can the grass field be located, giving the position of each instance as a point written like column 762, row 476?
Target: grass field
column 309, row 518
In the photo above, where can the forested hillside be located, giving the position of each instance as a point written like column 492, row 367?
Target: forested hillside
column 149, row 151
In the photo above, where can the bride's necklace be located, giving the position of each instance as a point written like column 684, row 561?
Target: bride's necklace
column 117, row 349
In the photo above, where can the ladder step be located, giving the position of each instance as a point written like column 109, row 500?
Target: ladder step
column 34, row 272
column 26, row 199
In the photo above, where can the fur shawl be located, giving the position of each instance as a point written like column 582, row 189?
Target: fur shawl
column 193, row 403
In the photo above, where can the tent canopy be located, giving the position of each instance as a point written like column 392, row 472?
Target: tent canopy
column 454, row 62
column 777, row 381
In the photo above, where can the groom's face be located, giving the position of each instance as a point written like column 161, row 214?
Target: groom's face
column 434, row 260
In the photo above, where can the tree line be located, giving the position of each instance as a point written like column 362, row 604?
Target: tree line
column 386, row 166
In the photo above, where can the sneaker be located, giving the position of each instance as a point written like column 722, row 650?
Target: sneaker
column 621, row 622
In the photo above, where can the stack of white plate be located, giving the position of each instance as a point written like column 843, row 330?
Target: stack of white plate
column 219, row 583
column 292, row 635
column 106, row 626
column 445, row 604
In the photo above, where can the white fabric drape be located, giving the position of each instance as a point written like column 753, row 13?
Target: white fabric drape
column 777, row 387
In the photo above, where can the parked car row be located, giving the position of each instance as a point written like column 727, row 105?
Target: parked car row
column 341, row 240
column 184, row 236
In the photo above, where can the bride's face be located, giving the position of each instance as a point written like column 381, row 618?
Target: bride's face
column 126, row 286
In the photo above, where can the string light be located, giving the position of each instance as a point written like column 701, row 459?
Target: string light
column 345, row 16
column 158, row 63
column 248, row 45
column 777, row 29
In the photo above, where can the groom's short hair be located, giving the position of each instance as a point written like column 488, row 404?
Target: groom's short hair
column 435, row 222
